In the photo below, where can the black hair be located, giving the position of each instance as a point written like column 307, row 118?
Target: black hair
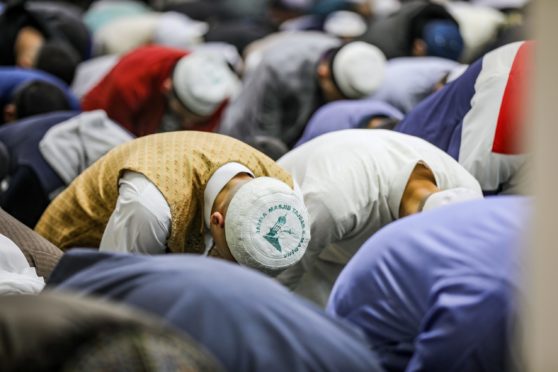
column 39, row 97
column 329, row 57
column 270, row 146
column 58, row 59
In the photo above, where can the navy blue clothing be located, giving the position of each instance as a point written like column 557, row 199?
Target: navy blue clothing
column 31, row 179
column 248, row 321
column 439, row 118
column 13, row 77
column 438, row 291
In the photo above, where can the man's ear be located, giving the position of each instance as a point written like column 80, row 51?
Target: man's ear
column 167, row 85
column 217, row 219
column 419, row 48
column 10, row 113
column 323, row 70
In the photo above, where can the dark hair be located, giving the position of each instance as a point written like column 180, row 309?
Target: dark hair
column 270, row 146
column 59, row 60
column 39, row 97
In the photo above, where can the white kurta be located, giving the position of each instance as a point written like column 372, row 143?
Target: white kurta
column 141, row 220
column 353, row 182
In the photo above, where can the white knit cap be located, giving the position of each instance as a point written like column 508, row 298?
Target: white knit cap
column 450, row 196
column 202, row 81
column 267, row 226
column 358, row 69
column 179, row 31
column 343, row 23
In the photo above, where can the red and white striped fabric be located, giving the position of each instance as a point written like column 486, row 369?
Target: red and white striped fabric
column 492, row 130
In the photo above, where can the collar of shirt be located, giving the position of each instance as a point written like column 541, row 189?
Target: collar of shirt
column 216, row 183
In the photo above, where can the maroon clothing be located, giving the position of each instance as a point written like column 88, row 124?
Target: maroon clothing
column 132, row 92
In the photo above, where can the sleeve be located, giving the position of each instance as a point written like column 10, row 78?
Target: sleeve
column 467, row 328
column 141, row 220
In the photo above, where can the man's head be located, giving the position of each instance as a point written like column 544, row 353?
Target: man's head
column 352, row 71
column 438, row 38
column 32, row 50
column 261, row 223
column 33, row 98
column 200, row 84
column 57, row 59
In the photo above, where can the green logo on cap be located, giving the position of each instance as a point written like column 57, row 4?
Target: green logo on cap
column 275, row 220
column 273, row 234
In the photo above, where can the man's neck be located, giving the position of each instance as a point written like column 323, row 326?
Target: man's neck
column 421, row 185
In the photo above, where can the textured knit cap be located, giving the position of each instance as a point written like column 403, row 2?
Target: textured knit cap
column 203, row 81
column 344, row 23
column 450, row 196
column 267, row 226
column 358, row 69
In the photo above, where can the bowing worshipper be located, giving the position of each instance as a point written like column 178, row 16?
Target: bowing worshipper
column 418, row 28
column 249, row 322
column 296, row 73
column 479, row 118
column 60, row 332
column 441, row 291
column 39, row 253
column 190, row 192
column 44, row 153
column 355, row 182
column 27, row 92
column 350, row 114
column 409, row 80
column 156, row 88
column 45, row 36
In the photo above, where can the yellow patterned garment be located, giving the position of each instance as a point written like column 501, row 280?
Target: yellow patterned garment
column 178, row 163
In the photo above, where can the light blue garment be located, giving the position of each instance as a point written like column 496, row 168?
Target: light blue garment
column 438, row 291
column 409, row 80
column 346, row 114
column 102, row 13
column 248, row 321
column 12, row 77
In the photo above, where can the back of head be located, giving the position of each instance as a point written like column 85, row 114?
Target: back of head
column 267, row 225
column 52, row 332
column 59, row 60
column 271, row 146
column 443, row 39
column 39, row 97
column 203, row 81
column 357, row 69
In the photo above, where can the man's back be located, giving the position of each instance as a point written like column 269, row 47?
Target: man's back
column 436, row 291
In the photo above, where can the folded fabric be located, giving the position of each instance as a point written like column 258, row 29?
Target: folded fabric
column 16, row 276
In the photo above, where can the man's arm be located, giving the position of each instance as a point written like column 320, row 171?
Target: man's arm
column 141, row 219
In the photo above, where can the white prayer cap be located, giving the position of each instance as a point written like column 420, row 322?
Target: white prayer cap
column 450, row 196
column 179, row 31
column 358, row 69
column 343, row 23
column 267, row 225
column 203, row 81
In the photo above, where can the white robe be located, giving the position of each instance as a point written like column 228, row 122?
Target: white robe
column 353, row 182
